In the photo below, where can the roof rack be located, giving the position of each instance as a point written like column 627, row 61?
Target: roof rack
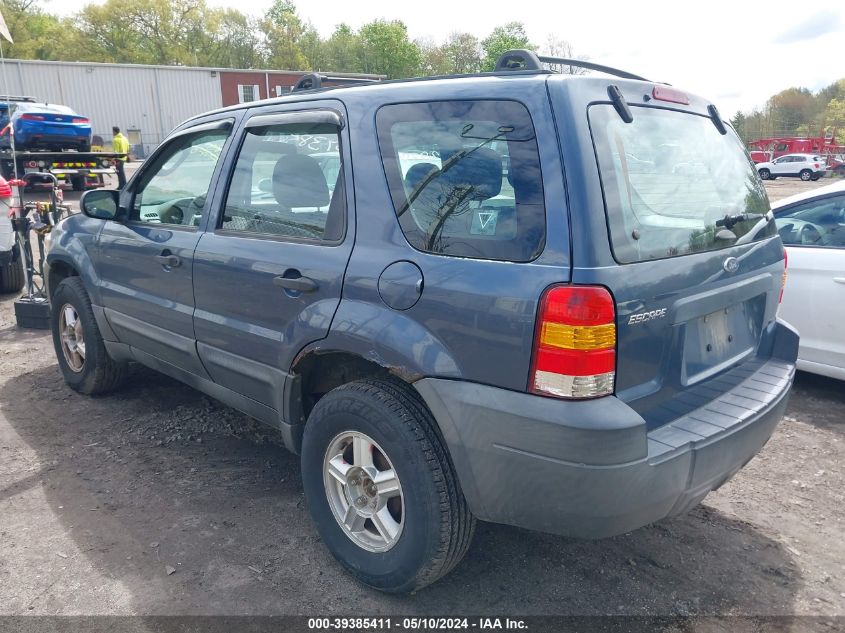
column 521, row 59
column 314, row 81
column 4, row 98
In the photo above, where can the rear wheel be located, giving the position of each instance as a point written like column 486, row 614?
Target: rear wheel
column 381, row 488
column 765, row 174
column 815, row 177
column 83, row 359
column 806, row 174
column 11, row 275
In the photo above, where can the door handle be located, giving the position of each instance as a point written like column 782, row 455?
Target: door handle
column 839, row 280
column 299, row 284
column 171, row 261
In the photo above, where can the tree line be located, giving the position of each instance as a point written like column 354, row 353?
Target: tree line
column 796, row 112
column 190, row 33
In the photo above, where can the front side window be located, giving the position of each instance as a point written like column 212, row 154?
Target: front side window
column 173, row 190
column 674, row 185
column 465, row 177
column 817, row 223
column 288, row 183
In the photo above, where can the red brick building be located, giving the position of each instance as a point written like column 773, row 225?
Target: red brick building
column 241, row 86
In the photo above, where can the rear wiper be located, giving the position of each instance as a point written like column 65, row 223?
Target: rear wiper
column 729, row 221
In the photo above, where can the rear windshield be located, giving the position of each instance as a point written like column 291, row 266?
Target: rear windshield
column 465, row 177
column 674, row 185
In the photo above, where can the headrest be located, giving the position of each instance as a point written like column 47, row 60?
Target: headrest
column 481, row 170
column 417, row 173
column 298, row 181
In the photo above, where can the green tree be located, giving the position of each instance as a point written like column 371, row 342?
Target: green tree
column 386, row 49
column 738, row 122
column 790, row 109
column 834, row 117
column 343, row 50
column 314, row 48
column 146, row 31
column 282, row 30
column 36, row 34
column 462, row 51
column 504, row 38
column 234, row 40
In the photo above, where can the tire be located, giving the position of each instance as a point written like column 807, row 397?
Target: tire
column 433, row 526
column 78, row 183
column 805, row 175
column 765, row 174
column 814, row 178
column 87, row 369
column 12, row 275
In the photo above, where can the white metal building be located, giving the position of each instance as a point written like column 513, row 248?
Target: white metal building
column 146, row 102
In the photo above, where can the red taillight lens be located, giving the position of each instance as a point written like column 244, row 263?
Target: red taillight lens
column 816, row 165
column 5, row 189
column 783, row 278
column 32, row 117
column 665, row 93
column 79, row 119
column 575, row 343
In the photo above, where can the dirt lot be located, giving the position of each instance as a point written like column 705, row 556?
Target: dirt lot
column 100, row 498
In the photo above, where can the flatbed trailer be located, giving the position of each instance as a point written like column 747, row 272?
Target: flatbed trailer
column 77, row 169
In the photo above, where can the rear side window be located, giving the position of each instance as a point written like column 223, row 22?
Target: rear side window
column 674, row 185
column 465, row 178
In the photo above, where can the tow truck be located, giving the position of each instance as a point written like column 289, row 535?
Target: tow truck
column 70, row 167
column 77, row 169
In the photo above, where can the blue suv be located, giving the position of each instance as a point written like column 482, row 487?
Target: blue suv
column 540, row 300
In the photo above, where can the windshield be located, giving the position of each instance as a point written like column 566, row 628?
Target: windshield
column 674, row 185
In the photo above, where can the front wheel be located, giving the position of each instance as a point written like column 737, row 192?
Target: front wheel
column 806, row 174
column 765, row 174
column 83, row 359
column 381, row 488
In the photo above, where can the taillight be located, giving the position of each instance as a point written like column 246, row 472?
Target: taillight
column 32, row 117
column 816, row 165
column 575, row 343
column 79, row 119
column 665, row 93
column 783, row 277
column 5, row 189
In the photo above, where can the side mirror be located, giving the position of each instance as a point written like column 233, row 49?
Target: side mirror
column 265, row 185
column 100, row 204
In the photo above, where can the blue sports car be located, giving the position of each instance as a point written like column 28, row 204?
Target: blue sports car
column 45, row 126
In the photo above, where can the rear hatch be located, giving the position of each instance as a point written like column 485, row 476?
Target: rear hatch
column 688, row 248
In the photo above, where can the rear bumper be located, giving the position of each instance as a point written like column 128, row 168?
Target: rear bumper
column 591, row 469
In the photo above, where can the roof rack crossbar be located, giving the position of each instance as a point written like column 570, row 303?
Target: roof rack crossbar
column 314, row 81
column 520, row 59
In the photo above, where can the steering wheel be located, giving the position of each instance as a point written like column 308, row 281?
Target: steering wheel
column 172, row 214
column 810, row 234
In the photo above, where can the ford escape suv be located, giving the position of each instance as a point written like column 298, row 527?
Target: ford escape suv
column 539, row 300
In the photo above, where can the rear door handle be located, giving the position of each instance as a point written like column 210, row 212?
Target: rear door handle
column 300, row 284
column 171, row 261
column 839, row 280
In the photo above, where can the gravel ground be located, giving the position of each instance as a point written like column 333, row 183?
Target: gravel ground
column 157, row 500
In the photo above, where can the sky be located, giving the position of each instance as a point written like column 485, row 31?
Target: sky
column 735, row 53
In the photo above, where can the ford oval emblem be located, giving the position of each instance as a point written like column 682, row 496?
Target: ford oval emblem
column 731, row 265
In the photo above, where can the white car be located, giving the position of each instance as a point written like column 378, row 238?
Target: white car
column 812, row 227
column 804, row 166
